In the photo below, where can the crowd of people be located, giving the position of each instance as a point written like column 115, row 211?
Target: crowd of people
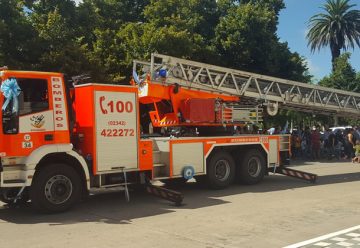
column 338, row 143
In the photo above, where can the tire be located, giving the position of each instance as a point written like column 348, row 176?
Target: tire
column 221, row 170
column 55, row 188
column 201, row 179
column 252, row 167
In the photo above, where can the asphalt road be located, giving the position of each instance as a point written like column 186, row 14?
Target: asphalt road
column 277, row 212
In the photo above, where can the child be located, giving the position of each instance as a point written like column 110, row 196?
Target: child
column 357, row 152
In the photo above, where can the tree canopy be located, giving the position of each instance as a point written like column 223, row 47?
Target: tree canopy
column 344, row 76
column 102, row 37
column 338, row 27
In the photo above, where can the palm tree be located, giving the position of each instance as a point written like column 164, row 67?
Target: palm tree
column 339, row 27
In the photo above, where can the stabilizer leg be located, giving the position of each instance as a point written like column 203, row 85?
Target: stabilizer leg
column 166, row 194
column 310, row 177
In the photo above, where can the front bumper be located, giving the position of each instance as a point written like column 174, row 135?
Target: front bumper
column 15, row 176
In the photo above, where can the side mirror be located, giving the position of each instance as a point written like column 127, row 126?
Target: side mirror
column 10, row 122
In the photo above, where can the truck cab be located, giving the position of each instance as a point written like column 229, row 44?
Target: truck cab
column 34, row 131
column 51, row 158
column 33, row 116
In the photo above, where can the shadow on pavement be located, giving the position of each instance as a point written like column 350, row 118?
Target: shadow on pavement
column 113, row 209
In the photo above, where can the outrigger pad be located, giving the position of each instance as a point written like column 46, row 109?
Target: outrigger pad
column 166, row 194
column 295, row 173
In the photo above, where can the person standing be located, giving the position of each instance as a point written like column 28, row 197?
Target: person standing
column 349, row 143
column 292, row 145
column 340, row 147
column 327, row 132
column 297, row 145
column 315, row 143
column 331, row 144
column 352, row 141
column 356, row 132
column 306, row 139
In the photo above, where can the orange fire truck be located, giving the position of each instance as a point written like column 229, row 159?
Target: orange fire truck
column 59, row 143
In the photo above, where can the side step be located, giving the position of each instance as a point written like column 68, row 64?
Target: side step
column 164, row 193
column 294, row 173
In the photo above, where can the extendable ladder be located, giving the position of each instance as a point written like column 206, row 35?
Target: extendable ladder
column 251, row 87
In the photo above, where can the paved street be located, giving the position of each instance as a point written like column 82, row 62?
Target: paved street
column 349, row 237
column 280, row 211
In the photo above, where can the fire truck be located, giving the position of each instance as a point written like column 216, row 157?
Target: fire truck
column 61, row 142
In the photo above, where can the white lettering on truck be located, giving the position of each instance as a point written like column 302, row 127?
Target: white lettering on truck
column 60, row 118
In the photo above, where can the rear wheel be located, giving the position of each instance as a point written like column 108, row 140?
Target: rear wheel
column 55, row 188
column 220, row 170
column 252, row 167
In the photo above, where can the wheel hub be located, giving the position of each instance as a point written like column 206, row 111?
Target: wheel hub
column 222, row 170
column 58, row 189
column 254, row 166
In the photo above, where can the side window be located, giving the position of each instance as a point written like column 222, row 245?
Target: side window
column 34, row 96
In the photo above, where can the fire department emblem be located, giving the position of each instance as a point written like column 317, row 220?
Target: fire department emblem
column 37, row 121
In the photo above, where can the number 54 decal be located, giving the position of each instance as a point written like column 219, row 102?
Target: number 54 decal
column 27, row 144
column 115, row 106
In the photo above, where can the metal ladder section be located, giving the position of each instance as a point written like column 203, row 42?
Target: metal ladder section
column 251, row 86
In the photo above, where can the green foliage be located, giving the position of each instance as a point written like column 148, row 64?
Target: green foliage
column 107, row 51
column 195, row 16
column 102, row 29
column 59, row 48
column 102, row 37
column 183, row 28
column 275, row 5
column 141, row 40
column 236, row 39
column 257, row 51
column 344, row 76
column 338, row 27
column 18, row 38
column 299, row 119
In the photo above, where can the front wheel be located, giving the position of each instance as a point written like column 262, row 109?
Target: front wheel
column 220, row 170
column 55, row 188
